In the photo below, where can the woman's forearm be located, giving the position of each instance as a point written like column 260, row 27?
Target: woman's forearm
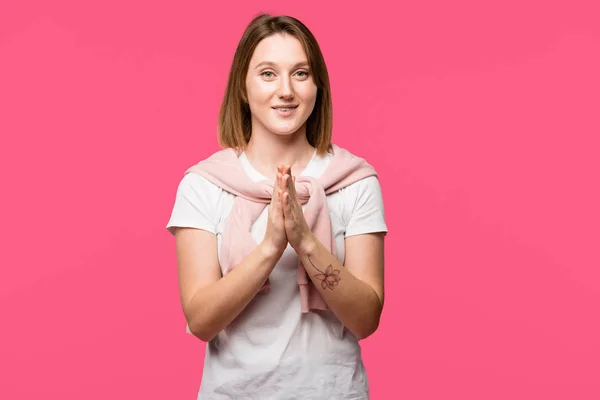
column 217, row 304
column 353, row 301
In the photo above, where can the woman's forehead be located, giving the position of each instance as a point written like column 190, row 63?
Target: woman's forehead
column 279, row 50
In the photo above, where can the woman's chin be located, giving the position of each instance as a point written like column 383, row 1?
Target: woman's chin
column 284, row 131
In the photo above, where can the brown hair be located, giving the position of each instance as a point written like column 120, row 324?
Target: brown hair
column 235, row 126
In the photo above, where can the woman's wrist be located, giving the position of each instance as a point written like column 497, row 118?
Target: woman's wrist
column 270, row 251
column 307, row 245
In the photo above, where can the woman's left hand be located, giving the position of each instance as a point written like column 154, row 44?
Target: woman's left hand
column 297, row 230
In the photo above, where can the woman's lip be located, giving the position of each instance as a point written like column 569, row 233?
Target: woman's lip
column 285, row 113
column 276, row 107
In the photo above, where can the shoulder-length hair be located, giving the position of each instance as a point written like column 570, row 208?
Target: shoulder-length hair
column 235, row 127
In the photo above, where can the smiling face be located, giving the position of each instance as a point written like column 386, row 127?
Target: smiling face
column 280, row 87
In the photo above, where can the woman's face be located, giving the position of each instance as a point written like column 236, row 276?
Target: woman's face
column 279, row 76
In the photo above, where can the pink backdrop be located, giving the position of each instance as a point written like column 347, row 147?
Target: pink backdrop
column 483, row 121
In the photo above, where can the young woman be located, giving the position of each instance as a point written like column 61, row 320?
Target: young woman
column 280, row 234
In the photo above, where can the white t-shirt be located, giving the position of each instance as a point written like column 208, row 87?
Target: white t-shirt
column 272, row 350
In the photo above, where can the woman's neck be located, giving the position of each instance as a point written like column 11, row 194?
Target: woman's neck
column 266, row 151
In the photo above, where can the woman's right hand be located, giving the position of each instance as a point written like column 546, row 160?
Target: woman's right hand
column 275, row 237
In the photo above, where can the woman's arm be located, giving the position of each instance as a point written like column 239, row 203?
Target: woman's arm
column 210, row 302
column 354, row 291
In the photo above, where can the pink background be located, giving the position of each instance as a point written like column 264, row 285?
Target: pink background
column 483, row 121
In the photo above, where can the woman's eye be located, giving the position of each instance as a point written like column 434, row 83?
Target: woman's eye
column 270, row 74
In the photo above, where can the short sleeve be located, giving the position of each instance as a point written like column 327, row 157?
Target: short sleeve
column 195, row 204
column 365, row 207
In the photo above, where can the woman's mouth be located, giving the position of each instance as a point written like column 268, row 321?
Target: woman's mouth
column 285, row 111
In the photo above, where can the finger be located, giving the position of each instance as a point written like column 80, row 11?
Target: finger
column 277, row 206
column 290, row 185
column 277, row 184
column 286, row 204
column 284, row 181
column 278, row 200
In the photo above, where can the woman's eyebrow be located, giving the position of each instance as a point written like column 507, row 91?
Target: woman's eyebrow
column 272, row 64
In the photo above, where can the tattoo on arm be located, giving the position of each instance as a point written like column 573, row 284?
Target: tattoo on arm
column 330, row 278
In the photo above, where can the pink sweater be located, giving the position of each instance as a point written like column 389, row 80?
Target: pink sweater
column 223, row 169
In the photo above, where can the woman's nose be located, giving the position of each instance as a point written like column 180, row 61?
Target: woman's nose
column 285, row 88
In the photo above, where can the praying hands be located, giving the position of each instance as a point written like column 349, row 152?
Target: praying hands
column 296, row 228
